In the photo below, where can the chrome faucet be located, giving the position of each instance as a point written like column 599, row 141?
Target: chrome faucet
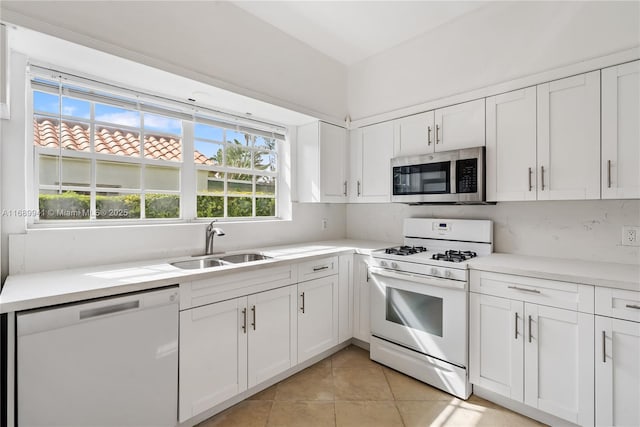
column 211, row 232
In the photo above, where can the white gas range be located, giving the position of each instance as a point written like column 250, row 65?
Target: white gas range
column 419, row 301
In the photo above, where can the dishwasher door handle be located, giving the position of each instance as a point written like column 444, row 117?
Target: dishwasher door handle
column 109, row 309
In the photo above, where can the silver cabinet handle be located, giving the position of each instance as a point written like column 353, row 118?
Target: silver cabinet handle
column 359, row 189
column 345, row 188
column 253, row 310
column 302, row 308
column 535, row 291
column 368, row 277
column 110, row 309
column 637, row 307
column 530, row 173
column 428, row 135
column 542, row 176
column 604, row 347
column 437, row 134
column 244, row 322
column 516, row 337
column 529, row 328
column 324, row 267
column 608, row 173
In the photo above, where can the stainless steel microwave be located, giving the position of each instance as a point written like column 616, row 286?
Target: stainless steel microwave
column 446, row 177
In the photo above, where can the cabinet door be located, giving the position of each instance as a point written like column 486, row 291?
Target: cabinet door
column 272, row 333
column 414, row 135
column 617, row 344
column 496, row 336
column 377, row 150
column 317, row 316
column 460, row 126
column 354, row 187
column 333, row 163
column 569, row 138
column 558, row 358
column 361, row 321
column 511, row 146
column 213, row 355
column 621, row 131
column 345, row 298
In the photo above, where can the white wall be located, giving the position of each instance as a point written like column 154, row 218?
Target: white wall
column 588, row 230
column 55, row 249
column 498, row 42
column 210, row 41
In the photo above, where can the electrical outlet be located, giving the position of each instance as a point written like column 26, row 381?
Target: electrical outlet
column 630, row 235
column 325, row 223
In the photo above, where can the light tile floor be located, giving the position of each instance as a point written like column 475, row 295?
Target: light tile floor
column 349, row 389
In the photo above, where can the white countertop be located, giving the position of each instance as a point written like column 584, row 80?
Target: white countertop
column 607, row 274
column 29, row 291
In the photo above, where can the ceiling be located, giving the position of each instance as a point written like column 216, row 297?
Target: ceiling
column 350, row 31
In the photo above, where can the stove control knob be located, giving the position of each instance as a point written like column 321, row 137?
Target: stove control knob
column 383, row 263
column 394, row 265
column 434, row 271
column 447, row 274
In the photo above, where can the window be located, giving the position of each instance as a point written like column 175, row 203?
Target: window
column 236, row 173
column 100, row 156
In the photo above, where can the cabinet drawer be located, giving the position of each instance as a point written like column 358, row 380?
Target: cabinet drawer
column 570, row 296
column 320, row 267
column 618, row 303
column 233, row 285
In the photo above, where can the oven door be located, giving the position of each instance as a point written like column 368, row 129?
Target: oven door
column 424, row 313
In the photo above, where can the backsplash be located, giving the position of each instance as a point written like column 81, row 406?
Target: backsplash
column 588, row 230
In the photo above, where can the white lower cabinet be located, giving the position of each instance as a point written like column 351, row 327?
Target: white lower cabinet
column 317, row 316
column 272, row 331
column 229, row 346
column 533, row 353
column 361, row 295
column 496, row 334
column 617, row 354
column 345, row 298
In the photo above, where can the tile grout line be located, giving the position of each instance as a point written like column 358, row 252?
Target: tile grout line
column 395, row 402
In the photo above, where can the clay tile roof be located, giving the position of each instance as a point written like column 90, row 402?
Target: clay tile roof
column 75, row 136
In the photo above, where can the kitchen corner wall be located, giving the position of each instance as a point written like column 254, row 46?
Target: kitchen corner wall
column 587, row 230
column 54, row 249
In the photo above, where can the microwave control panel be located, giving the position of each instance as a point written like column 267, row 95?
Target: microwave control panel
column 467, row 176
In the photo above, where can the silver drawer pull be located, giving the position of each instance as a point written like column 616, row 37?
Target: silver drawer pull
column 324, row 267
column 115, row 308
column 637, row 307
column 534, row 291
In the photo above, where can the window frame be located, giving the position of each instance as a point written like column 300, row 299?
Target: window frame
column 187, row 168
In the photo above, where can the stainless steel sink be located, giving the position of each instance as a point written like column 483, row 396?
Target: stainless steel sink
column 196, row 264
column 248, row 257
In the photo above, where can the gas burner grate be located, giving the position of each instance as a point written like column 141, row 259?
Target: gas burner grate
column 454, row 256
column 405, row 250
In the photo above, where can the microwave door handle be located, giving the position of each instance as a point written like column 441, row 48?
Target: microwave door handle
column 423, row 280
column 452, row 178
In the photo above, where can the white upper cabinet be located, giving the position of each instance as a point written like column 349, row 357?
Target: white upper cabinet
column 460, row 126
column 322, row 163
column 569, row 138
column 371, row 152
column 414, row 135
column 511, row 146
column 621, row 131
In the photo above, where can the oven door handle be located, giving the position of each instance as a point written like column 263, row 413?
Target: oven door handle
column 424, row 280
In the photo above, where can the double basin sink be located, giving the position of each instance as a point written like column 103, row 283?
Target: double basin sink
column 217, row 261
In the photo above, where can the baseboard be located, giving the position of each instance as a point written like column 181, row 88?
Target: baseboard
column 521, row 408
column 362, row 344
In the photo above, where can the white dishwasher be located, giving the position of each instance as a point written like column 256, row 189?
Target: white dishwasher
column 107, row 362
